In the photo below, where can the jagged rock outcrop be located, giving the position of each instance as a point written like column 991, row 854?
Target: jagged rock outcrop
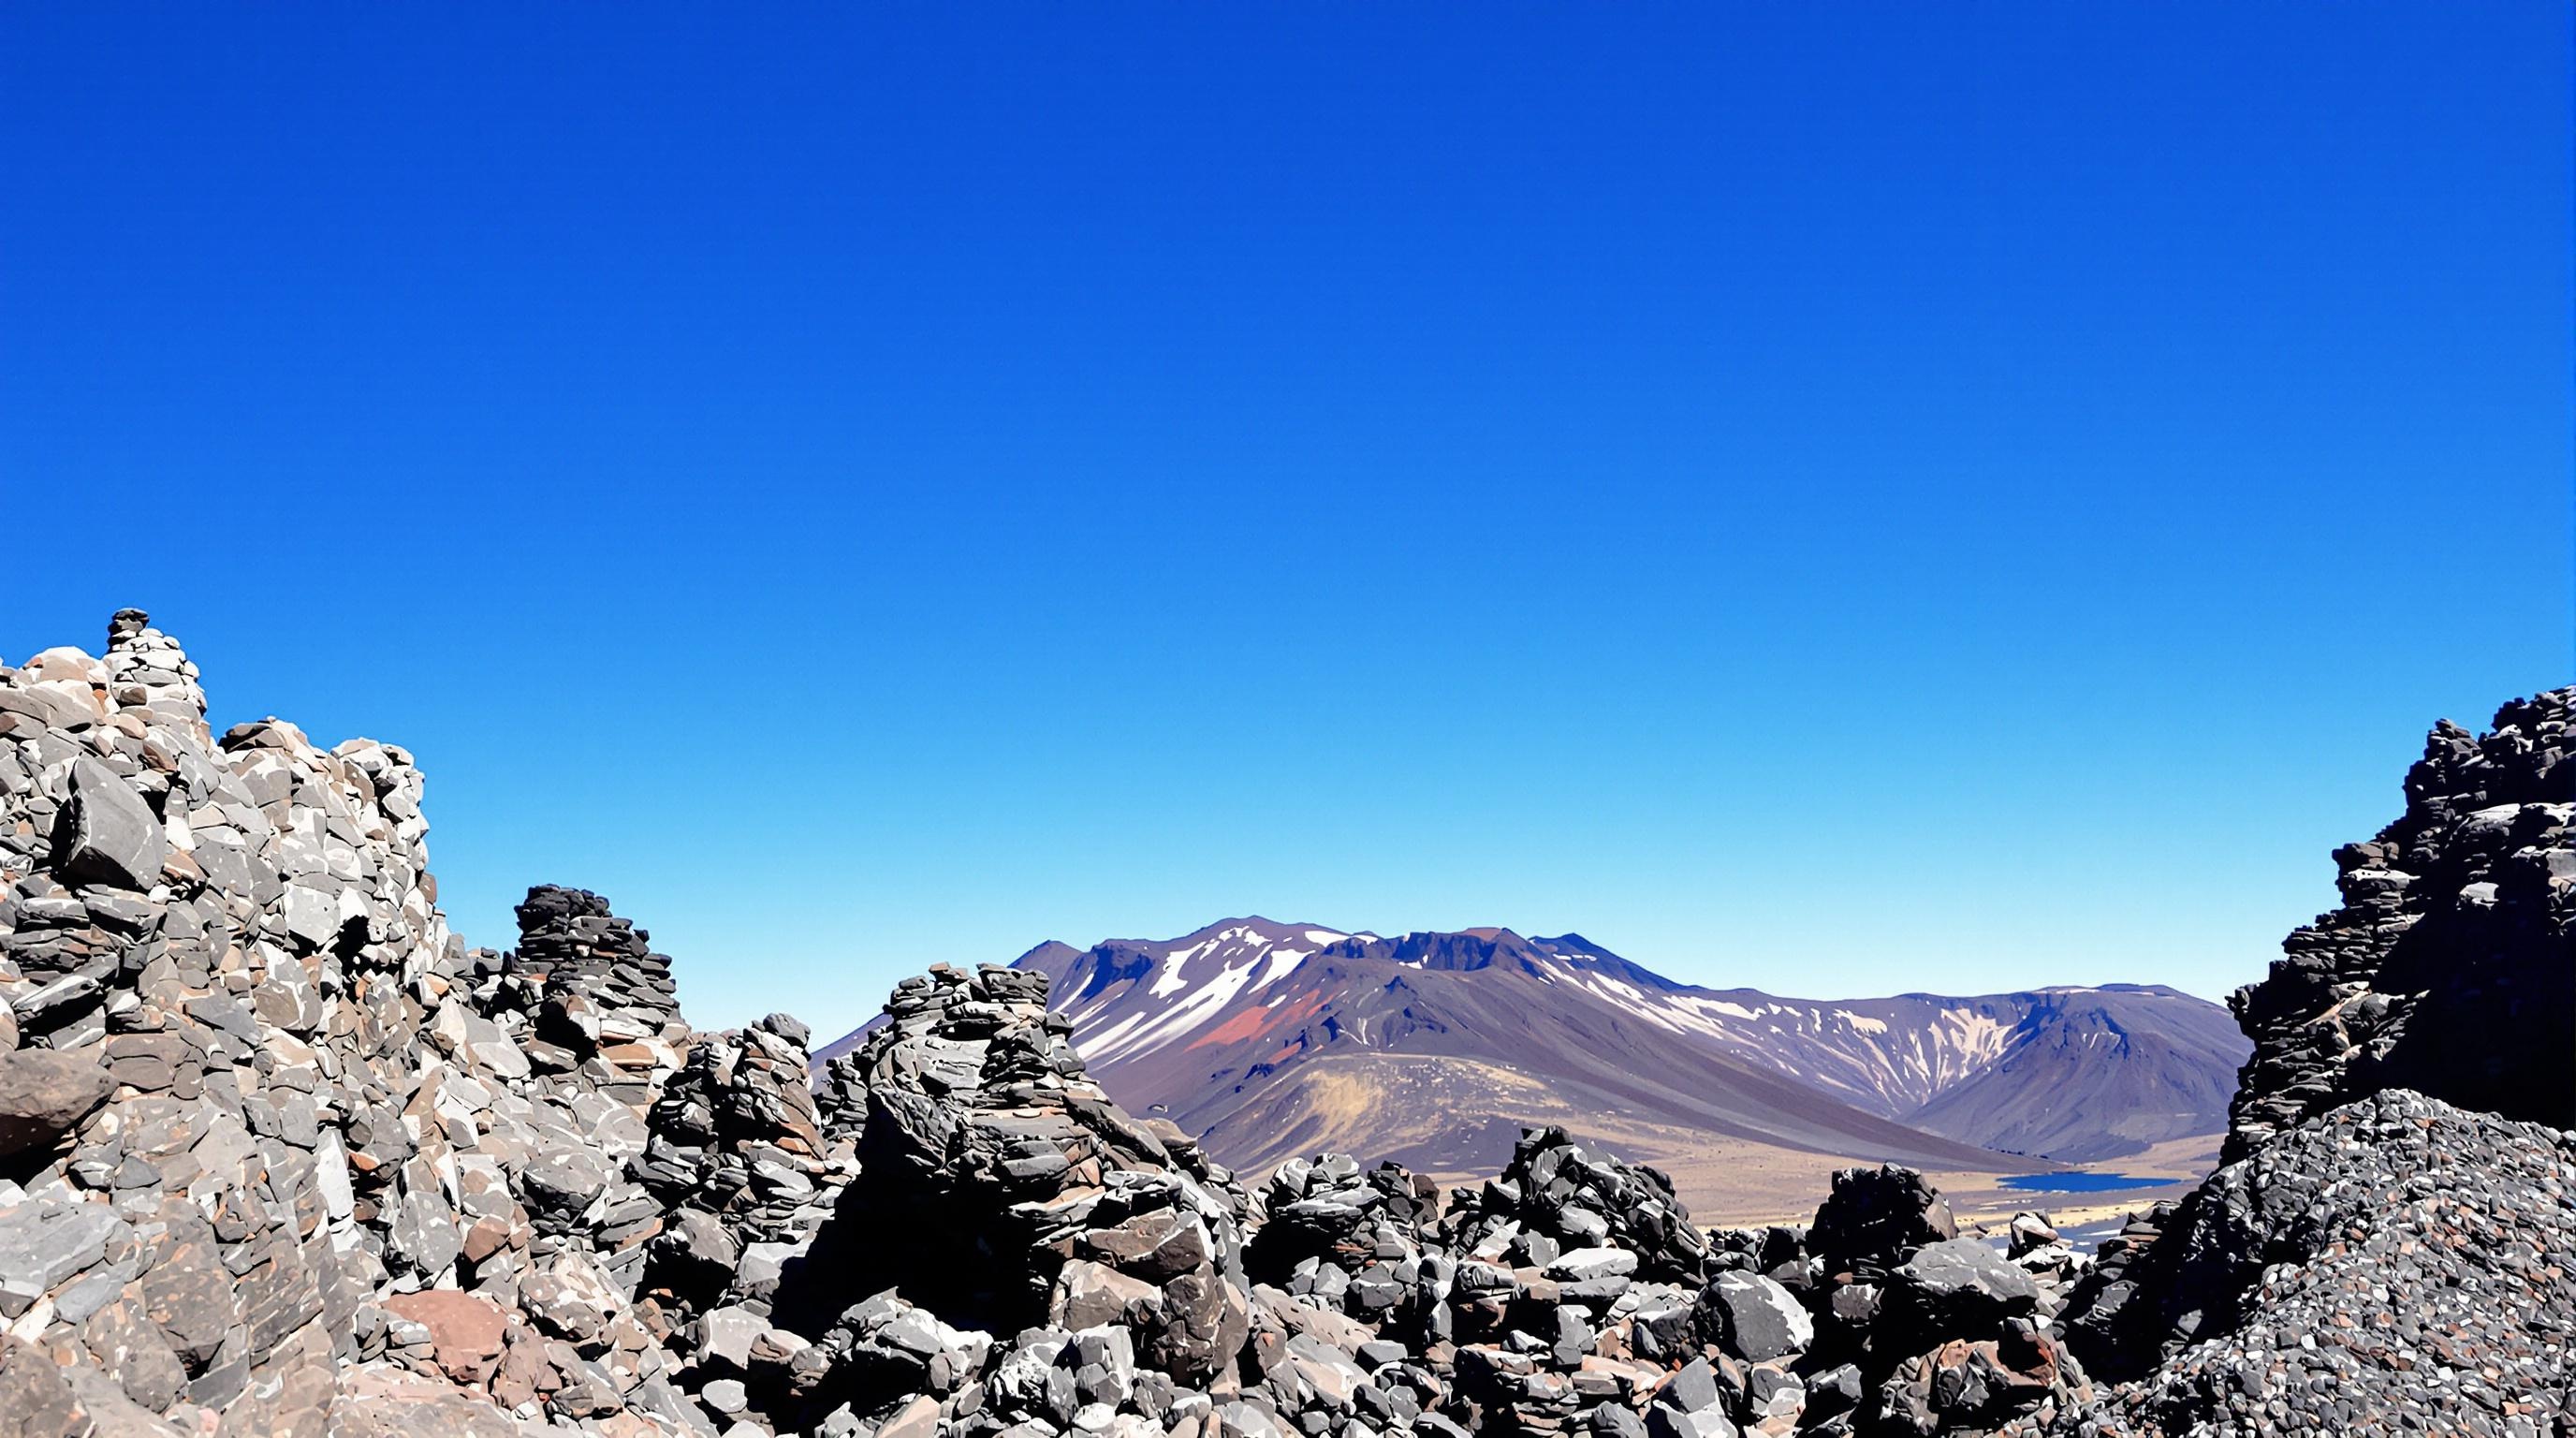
column 1057, row 1206
column 748, row 1177
column 2457, row 930
column 2392, row 1246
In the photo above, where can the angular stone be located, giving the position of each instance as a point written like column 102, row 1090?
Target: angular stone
column 1756, row 1319
column 1088, row 1295
column 381, row 1402
column 35, row 1401
column 1964, row 1276
column 44, row 1243
column 189, row 1296
column 109, row 835
column 1584, row 1264
column 44, row 1093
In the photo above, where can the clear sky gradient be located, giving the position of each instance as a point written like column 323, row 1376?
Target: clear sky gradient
column 1841, row 498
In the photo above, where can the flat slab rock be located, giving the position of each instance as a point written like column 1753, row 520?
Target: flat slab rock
column 377, row 1401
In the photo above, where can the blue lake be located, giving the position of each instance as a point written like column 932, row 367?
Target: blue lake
column 2080, row 1182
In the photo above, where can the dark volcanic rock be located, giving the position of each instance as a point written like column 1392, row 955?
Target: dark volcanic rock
column 1958, row 1287
column 1875, row 1216
column 2374, row 1259
column 2458, row 928
column 992, row 1161
column 744, row 1173
column 1966, row 1387
column 1757, row 1319
column 1579, row 1199
column 2397, row 1264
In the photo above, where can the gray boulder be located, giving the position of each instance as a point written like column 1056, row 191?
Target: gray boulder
column 109, row 835
column 1690, row 1405
column 1755, row 1319
column 1958, row 1289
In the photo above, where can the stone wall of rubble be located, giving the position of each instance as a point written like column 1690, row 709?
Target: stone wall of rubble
column 2458, row 925
column 272, row 1166
column 1056, row 1267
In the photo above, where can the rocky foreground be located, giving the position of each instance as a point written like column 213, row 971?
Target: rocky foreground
column 283, row 1156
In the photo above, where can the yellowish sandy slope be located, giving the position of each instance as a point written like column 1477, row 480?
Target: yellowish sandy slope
column 1381, row 1103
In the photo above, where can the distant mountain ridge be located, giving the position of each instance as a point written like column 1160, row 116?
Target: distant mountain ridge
column 2076, row 1073
column 1268, row 1040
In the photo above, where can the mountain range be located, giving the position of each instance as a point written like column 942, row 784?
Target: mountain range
column 1267, row 1041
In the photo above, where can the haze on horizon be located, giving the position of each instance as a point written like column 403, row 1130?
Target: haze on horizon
column 1952, row 502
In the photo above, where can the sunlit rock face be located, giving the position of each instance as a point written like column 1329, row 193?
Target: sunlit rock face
column 1021, row 1194
column 2450, row 968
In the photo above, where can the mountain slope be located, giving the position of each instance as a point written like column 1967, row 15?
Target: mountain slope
column 1269, row 1040
column 1466, row 1010
column 2079, row 1074
column 2097, row 1074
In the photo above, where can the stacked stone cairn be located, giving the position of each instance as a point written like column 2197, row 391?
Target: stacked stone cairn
column 279, row 1155
column 740, row 1161
column 982, row 1123
column 603, row 1004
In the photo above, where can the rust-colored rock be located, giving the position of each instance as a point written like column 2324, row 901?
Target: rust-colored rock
column 466, row 1331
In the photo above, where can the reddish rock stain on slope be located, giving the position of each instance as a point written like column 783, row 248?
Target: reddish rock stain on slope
column 1253, row 1023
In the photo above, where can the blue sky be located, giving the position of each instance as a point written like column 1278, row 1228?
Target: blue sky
column 1842, row 499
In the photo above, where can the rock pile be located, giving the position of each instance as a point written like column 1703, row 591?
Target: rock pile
column 1555, row 1195
column 741, row 1164
column 1056, row 1205
column 272, row 1169
column 2395, row 1265
column 199, row 943
column 594, row 999
column 2388, row 1249
column 1066, row 1268
column 2458, row 925
column 579, row 1059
